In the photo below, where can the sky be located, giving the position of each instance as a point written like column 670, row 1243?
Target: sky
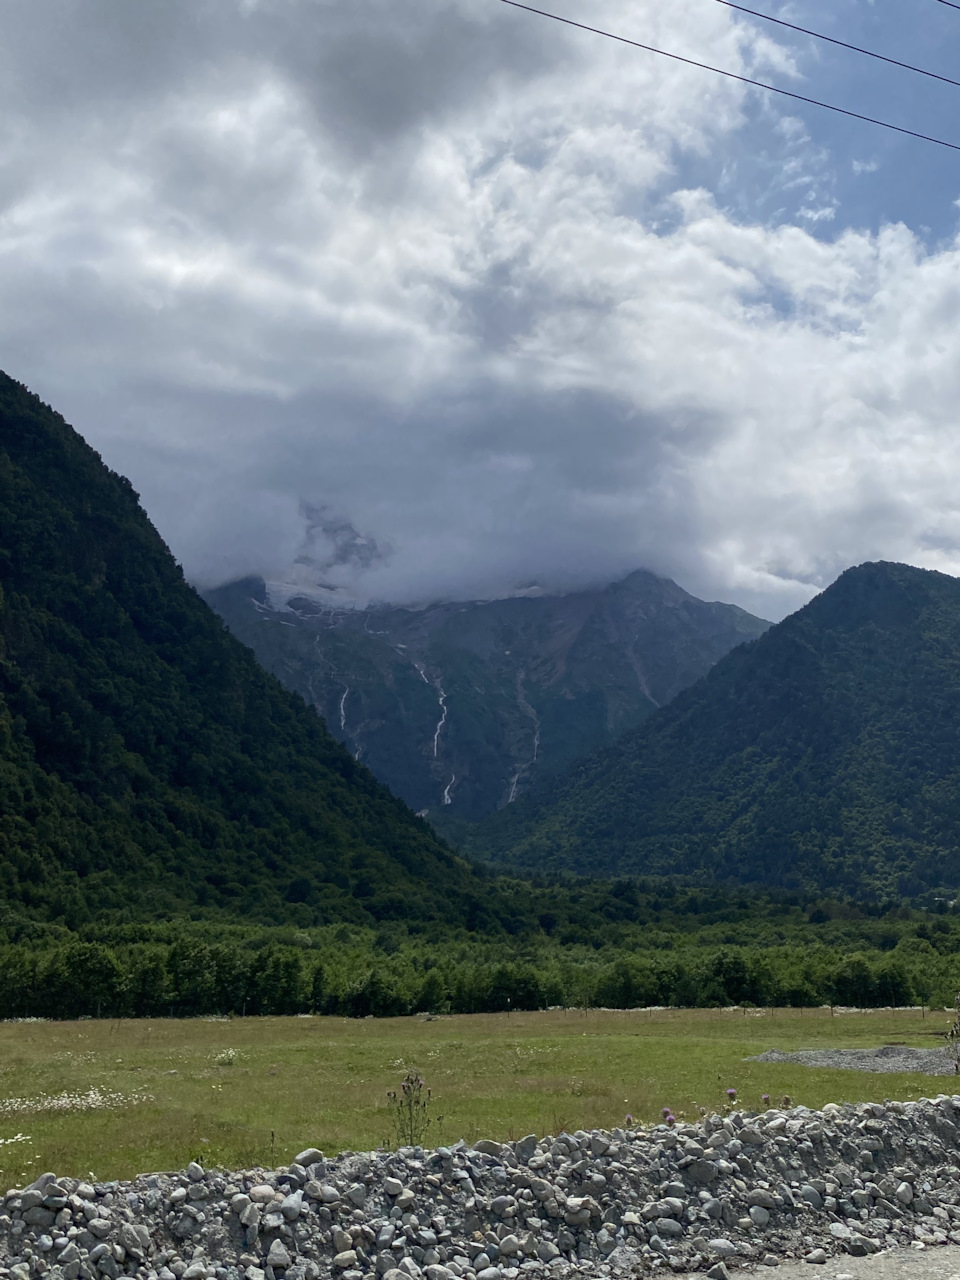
column 421, row 299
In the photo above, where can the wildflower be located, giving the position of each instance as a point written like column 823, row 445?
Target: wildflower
column 92, row 1100
column 17, row 1137
column 665, row 1112
column 629, row 1119
column 732, row 1095
column 765, row 1099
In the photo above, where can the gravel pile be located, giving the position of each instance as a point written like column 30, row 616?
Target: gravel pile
column 732, row 1191
column 941, row 1061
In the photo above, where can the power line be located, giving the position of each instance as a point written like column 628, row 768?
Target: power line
column 732, row 75
column 950, row 4
column 867, row 53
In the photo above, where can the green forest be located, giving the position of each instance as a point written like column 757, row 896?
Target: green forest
column 620, row 946
column 148, row 764
column 824, row 756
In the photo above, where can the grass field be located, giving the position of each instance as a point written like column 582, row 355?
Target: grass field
column 257, row 1090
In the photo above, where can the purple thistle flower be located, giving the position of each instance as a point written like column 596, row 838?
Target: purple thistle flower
column 732, row 1095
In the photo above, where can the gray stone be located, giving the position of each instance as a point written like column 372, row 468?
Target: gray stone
column 344, row 1261
column 668, row 1227
column 718, row 1272
column 39, row 1217
column 859, row 1246
column 703, row 1171
column 291, row 1206
column 761, row 1197
column 195, row 1171
column 526, row 1147
column 278, row 1256
column 722, row 1247
column 308, row 1157
column 811, row 1196
column 817, row 1256
column 759, row 1216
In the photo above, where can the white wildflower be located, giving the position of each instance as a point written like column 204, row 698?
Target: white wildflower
column 92, row 1100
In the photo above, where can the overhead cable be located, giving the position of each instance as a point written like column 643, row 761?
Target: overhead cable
column 732, row 75
column 817, row 35
column 950, row 4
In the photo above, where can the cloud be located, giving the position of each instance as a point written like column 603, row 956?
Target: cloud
column 445, row 300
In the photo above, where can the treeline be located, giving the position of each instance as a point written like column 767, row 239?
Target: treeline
column 190, row 977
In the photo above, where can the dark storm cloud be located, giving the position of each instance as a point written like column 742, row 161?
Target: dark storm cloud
column 433, row 300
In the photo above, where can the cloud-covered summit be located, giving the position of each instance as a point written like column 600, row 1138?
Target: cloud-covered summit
column 443, row 300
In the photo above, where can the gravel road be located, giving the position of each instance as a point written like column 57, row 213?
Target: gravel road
column 898, row 1264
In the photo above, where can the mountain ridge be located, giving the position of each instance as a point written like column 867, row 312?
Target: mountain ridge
column 148, row 765
column 462, row 704
column 825, row 753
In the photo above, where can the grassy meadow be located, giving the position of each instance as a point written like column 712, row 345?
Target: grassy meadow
column 248, row 1091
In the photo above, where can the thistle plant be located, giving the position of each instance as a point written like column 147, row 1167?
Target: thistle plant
column 729, row 1098
column 410, row 1106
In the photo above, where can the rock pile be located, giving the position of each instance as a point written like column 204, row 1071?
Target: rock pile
column 732, row 1191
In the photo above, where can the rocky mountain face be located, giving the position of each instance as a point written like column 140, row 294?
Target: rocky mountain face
column 148, row 764
column 460, row 707
column 824, row 756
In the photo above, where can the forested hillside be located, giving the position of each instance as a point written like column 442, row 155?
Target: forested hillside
column 460, row 707
column 825, row 755
column 148, row 765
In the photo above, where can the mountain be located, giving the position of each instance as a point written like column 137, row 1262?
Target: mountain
column 467, row 704
column 824, row 756
column 148, row 765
